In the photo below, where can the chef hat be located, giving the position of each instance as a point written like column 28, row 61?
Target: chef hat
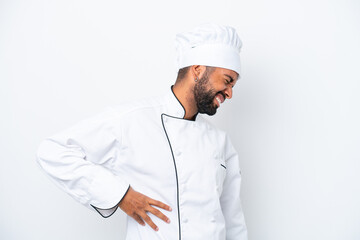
column 209, row 45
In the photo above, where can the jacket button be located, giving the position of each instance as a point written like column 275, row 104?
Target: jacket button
column 185, row 220
column 177, row 153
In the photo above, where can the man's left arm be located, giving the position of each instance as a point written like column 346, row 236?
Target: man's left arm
column 230, row 197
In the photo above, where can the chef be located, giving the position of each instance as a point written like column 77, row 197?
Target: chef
column 175, row 175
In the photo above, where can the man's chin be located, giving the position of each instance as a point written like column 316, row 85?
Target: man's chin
column 209, row 109
column 211, row 112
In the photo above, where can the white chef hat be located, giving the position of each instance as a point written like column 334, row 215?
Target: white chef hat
column 210, row 45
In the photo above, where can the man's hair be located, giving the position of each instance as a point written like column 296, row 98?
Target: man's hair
column 184, row 71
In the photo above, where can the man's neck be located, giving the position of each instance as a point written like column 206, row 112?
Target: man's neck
column 185, row 96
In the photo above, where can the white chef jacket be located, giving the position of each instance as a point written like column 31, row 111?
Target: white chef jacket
column 188, row 165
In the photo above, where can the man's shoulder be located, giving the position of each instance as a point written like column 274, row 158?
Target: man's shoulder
column 138, row 106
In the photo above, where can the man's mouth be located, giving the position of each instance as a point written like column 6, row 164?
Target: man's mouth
column 220, row 98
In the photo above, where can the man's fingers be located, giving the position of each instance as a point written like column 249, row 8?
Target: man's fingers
column 159, row 214
column 159, row 204
column 148, row 220
column 138, row 219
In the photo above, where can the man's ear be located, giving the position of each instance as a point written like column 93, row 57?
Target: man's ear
column 197, row 71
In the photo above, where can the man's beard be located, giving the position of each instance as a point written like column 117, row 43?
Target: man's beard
column 205, row 98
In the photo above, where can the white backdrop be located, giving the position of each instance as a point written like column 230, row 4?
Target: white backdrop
column 294, row 117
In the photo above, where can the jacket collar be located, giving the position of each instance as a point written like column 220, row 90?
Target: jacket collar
column 174, row 106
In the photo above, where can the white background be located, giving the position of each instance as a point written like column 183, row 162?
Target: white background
column 294, row 117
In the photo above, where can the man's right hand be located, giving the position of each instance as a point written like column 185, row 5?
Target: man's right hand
column 136, row 205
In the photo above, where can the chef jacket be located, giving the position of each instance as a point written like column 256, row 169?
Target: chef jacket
column 188, row 165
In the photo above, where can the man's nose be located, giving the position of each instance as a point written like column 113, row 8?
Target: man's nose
column 228, row 92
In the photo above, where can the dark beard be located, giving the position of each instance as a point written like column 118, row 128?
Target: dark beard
column 205, row 98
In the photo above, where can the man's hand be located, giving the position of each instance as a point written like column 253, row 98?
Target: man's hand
column 136, row 205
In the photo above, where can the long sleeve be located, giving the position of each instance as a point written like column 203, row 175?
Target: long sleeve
column 77, row 161
column 230, row 198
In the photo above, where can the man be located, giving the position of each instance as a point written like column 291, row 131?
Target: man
column 174, row 174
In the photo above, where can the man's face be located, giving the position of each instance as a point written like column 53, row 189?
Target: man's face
column 213, row 88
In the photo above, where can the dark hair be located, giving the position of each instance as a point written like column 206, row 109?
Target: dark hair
column 183, row 71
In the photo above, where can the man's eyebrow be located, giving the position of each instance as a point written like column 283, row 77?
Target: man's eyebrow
column 231, row 79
